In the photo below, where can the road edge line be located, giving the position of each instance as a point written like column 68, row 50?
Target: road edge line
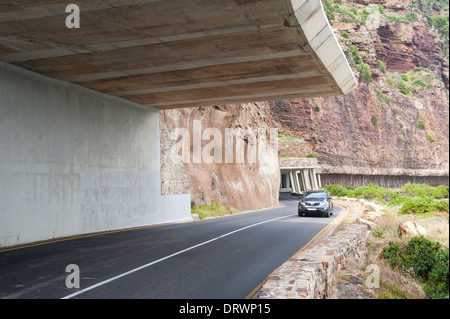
column 336, row 223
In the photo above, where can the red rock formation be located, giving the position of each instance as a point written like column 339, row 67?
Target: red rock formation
column 407, row 46
column 246, row 185
column 373, row 130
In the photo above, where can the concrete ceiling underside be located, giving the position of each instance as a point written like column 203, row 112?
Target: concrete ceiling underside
column 180, row 53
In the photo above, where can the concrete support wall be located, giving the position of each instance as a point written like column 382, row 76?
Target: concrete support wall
column 75, row 161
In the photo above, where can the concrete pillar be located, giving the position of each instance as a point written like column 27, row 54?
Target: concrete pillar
column 291, row 177
column 296, row 182
column 75, row 161
column 295, row 185
column 314, row 183
column 306, row 178
column 302, row 181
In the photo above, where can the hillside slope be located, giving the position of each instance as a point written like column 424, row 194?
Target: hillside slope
column 396, row 121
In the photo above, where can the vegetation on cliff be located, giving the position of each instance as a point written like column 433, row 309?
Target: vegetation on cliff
column 436, row 13
column 401, row 64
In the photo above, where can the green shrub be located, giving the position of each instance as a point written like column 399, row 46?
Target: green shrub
column 347, row 20
column 419, row 83
column 310, row 156
column 440, row 191
column 353, row 55
column 424, row 190
column 345, row 35
column 364, row 16
column 281, row 137
column 378, row 233
column 383, row 98
column 329, row 11
column 336, row 190
column 437, row 285
column 213, row 210
column 381, row 66
column 430, row 138
column 411, row 16
column 365, row 74
column 400, row 200
column 413, row 192
column 440, row 22
column 373, row 192
column 392, row 254
column 374, row 120
column 419, row 256
column 423, row 205
column 420, row 125
column 424, row 259
column 401, row 86
column 366, row 192
column 394, row 19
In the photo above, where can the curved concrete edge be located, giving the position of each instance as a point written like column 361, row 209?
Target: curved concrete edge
column 314, row 25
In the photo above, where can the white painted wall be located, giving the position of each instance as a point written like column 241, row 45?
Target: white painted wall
column 75, row 161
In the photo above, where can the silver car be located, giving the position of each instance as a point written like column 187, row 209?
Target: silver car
column 315, row 202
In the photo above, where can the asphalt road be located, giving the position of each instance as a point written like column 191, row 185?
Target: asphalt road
column 214, row 259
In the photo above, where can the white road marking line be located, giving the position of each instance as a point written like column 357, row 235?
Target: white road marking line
column 167, row 257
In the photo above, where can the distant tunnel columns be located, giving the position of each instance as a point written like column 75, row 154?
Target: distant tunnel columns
column 219, row 52
column 299, row 180
column 299, row 175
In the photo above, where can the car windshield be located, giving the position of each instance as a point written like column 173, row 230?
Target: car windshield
column 319, row 195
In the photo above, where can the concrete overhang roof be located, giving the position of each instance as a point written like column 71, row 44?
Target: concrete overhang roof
column 180, row 53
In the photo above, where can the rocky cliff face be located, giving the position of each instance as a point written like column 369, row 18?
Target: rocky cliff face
column 395, row 123
column 248, row 179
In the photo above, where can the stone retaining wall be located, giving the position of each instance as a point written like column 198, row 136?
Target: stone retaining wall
column 310, row 274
